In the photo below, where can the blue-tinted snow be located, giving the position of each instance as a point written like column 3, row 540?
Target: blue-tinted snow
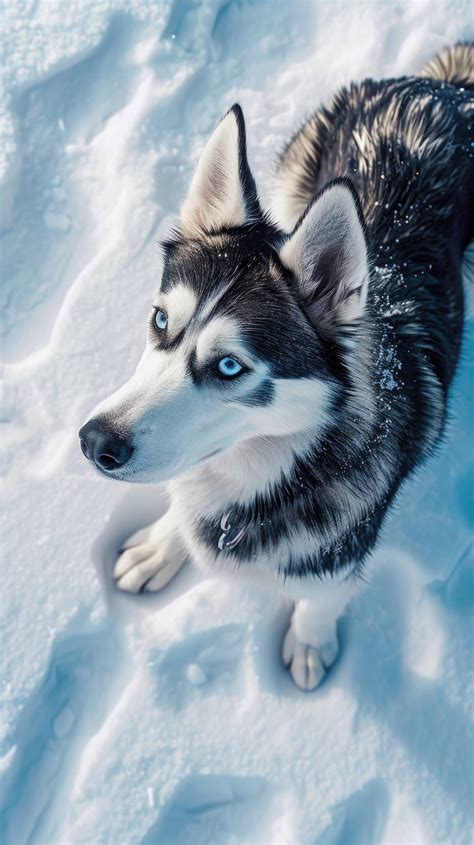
column 168, row 719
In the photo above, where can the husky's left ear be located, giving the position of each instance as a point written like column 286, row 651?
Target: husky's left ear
column 223, row 192
column 327, row 253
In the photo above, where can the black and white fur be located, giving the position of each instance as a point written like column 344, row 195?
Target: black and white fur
column 346, row 316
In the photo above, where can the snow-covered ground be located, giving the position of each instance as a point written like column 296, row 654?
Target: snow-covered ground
column 168, row 719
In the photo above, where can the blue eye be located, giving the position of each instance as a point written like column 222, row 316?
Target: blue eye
column 230, row 367
column 160, row 319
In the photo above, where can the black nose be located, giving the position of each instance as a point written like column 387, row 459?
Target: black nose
column 104, row 447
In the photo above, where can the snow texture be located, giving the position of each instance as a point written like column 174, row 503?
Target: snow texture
column 168, row 718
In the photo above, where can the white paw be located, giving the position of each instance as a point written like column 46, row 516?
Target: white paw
column 308, row 664
column 149, row 560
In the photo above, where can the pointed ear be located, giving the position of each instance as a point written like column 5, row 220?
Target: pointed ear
column 327, row 253
column 222, row 192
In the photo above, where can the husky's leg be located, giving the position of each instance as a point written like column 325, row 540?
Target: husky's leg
column 311, row 645
column 151, row 557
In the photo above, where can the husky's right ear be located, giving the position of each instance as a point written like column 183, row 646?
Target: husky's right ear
column 327, row 253
column 223, row 192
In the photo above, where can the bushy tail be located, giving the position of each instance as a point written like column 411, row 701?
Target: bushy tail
column 454, row 65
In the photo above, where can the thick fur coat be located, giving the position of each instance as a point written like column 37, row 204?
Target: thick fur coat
column 298, row 364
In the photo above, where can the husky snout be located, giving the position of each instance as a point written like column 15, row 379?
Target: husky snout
column 107, row 449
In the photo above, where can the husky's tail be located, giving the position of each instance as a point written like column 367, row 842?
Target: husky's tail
column 454, row 65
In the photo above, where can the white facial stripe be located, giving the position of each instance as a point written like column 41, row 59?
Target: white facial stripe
column 207, row 309
column 221, row 335
column 180, row 304
column 297, row 405
column 158, row 373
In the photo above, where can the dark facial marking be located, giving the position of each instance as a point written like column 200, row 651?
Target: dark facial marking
column 261, row 396
column 241, row 270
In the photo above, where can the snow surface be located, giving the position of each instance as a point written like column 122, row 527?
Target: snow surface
column 168, row 719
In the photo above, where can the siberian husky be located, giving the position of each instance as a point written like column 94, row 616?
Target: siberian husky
column 298, row 363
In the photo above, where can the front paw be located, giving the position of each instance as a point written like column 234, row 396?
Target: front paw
column 308, row 664
column 147, row 562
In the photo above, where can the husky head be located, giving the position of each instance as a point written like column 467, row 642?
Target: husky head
column 249, row 330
